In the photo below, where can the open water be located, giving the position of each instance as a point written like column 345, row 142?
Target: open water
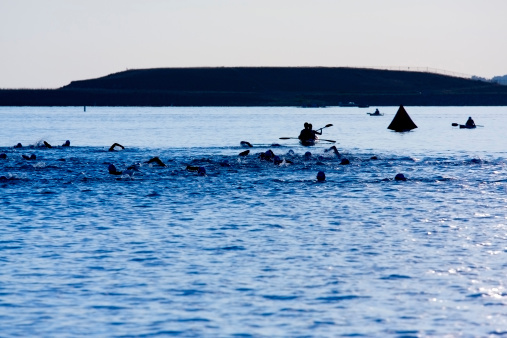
column 252, row 249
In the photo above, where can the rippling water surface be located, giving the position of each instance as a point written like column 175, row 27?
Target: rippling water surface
column 252, row 248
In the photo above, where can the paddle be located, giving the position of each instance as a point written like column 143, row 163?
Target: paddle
column 326, row 126
column 457, row 124
column 297, row 138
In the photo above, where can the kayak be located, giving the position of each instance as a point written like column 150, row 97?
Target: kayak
column 375, row 114
column 309, row 142
column 464, row 126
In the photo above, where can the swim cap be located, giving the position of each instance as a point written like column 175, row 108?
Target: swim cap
column 321, row 176
column 400, row 177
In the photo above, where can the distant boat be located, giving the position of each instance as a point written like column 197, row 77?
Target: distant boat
column 375, row 114
column 402, row 121
column 347, row 104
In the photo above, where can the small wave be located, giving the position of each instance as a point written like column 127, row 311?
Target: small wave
column 280, row 297
column 395, row 276
column 341, row 298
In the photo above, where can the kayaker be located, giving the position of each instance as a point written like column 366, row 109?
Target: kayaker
column 470, row 123
column 376, row 112
column 314, row 132
column 306, row 134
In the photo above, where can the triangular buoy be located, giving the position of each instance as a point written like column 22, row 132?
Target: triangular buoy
column 402, row 121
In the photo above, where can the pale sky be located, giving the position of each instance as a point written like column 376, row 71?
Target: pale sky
column 49, row 43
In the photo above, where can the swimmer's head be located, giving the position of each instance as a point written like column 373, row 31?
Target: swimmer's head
column 321, row 176
column 201, row 171
column 400, row 177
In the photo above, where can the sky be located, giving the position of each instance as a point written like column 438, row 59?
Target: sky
column 49, row 43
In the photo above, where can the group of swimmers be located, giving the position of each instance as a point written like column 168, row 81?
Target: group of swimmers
column 268, row 156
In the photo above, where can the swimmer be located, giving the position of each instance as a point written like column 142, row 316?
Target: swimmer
column 321, row 176
column 400, row 177
column 267, row 156
column 157, row 161
column 112, row 170
column 116, row 145
column 246, row 144
column 344, row 161
column 3, row 155
column 201, row 171
column 335, row 151
column 47, row 145
column 31, row 157
column 19, row 145
column 244, row 153
column 66, row 144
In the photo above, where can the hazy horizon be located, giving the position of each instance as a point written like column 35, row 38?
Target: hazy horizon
column 49, row 44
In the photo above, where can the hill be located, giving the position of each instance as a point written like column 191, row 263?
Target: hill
column 264, row 86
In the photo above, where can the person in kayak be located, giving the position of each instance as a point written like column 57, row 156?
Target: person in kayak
column 470, row 123
column 306, row 134
column 314, row 133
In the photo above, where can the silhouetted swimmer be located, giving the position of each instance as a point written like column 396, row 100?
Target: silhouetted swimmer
column 31, row 157
column 244, row 153
column 157, row 161
column 116, row 145
column 3, row 155
column 112, row 170
column 192, row 168
column 275, row 145
column 201, row 171
column 400, row 177
column 267, row 156
column 3, row 178
column 344, row 161
column 308, row 155
column 277, row 160
column 66, row 144
column 335, row 151
column 321, row 176
column 19, row 145
column 246, row 144
column 374, row 158
column 47, row 145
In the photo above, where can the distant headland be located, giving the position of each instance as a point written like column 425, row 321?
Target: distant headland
column 265, row 86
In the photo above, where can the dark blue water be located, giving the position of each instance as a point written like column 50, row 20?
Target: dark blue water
column 252, row 248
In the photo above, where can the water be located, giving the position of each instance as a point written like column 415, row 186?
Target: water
column 252, row 249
